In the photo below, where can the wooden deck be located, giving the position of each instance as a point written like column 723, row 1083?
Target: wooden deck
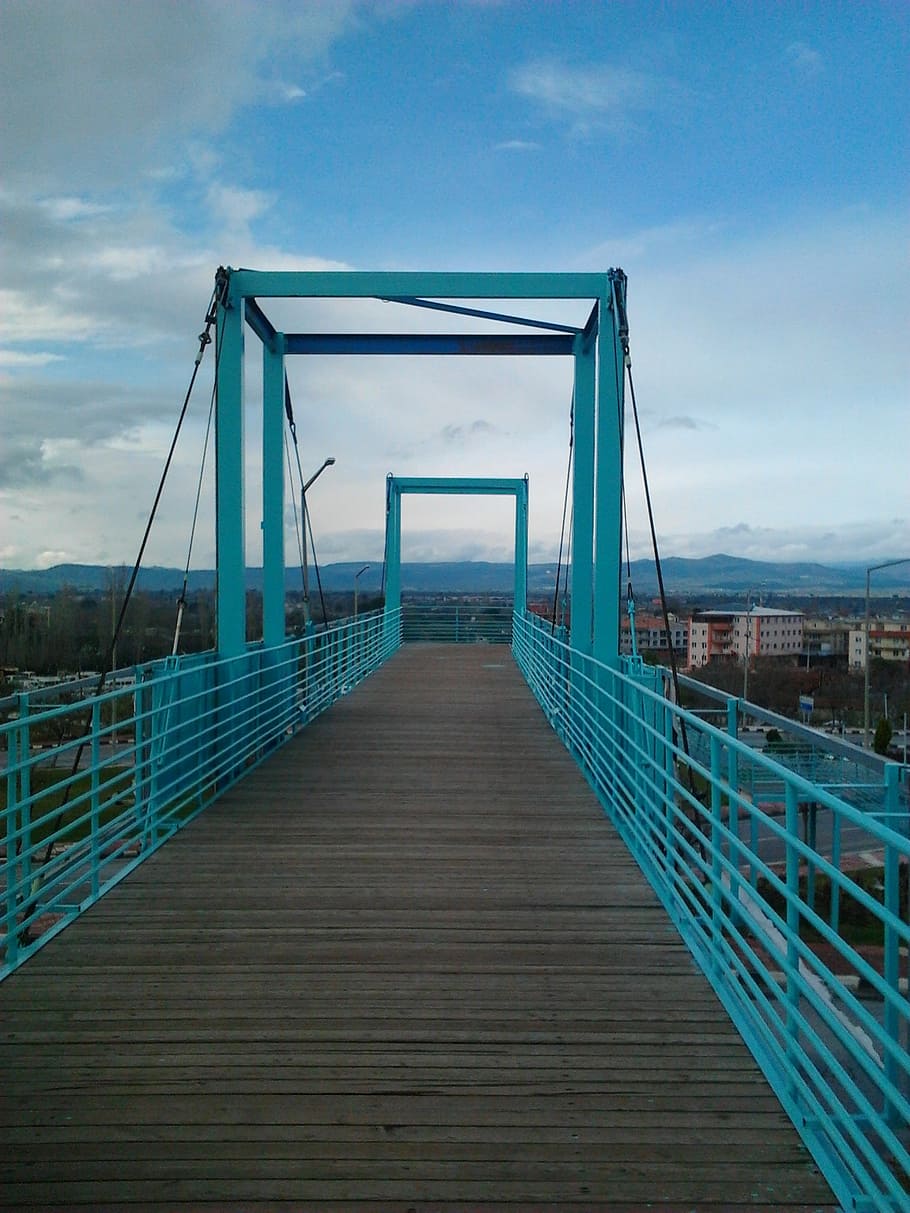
column 405, row 965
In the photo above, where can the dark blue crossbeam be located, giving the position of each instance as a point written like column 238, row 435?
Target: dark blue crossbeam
column 429, row 343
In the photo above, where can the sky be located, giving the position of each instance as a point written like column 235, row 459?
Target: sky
column 744, row 163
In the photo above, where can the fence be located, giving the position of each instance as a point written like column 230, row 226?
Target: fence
column 825, row 1014
column 93, row 786
column 461, row 624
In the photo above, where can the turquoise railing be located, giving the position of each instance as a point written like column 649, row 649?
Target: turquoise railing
column 150, row 757
column 826, row 1015
column 461, row 623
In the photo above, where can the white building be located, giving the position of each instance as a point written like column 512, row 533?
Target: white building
column 889, row 640
column 651, row 634
column 730, row 635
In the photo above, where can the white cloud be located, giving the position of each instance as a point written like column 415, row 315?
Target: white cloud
column 235, row 208
column 596, row 97
column 92, row 93
column 63, row 209
column 517, row 145
column 866, row 539
column 804, row 58
column 19, row 358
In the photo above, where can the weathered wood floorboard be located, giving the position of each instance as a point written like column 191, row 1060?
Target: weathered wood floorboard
column 405, row 965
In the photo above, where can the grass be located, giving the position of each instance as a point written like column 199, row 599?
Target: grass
column 857, row 924
column 115, row 794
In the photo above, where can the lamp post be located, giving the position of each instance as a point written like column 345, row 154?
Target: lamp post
column 305, row 570
column 748, row 645
column 887, row 564
column 357, row 577
column 326, row 463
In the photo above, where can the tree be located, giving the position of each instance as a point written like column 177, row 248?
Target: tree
column 882, row 738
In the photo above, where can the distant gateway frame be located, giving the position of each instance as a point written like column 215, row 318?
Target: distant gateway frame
column 598, row 396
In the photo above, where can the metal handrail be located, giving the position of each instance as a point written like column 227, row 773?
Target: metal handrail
column 742, row 882
column 456, row 623
column 188, row 728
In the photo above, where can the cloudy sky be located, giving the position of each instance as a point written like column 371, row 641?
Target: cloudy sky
column 746, row 164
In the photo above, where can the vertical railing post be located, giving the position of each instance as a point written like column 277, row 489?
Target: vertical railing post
column 14, row 848
column 669, row 791
column 793, row 920
column 25, row 797
column 733, row 808
column 717, row 808
column 811, row 839
column 892, row 977
column 95, row 785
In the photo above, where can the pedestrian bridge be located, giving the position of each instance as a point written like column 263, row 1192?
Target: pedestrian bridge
column 351, row 924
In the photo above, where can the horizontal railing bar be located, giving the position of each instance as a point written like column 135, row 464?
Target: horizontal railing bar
column 724, row 863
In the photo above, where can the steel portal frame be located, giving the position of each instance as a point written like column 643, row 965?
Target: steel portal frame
column 397, row 486
column 598, row 396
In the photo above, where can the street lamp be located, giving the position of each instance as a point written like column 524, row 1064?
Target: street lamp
column 748, row 645
column 887, row 564
column 357, row 577
column 327, row 463
column 304, row 565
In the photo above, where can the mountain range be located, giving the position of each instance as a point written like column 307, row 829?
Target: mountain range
column 717, row 574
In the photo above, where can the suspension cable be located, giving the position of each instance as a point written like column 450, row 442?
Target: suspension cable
column 181, row 601
column 309, row 524
column 219, row 295
column 297, row 532
column 674, row 670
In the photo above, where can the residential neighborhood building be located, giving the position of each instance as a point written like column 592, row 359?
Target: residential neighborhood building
column 889, row 640
column 731, row 635
column 828, row 638
column 651, row 634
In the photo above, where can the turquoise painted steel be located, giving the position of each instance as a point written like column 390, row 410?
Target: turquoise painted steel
column 392, row 549
column 186, row 728
column 828, row 1026
column 472, row 486
column 598, row 439
column 467, row 623
column 609, row 455
column 229, row 480
column 520, row 595
column 273, row 624
column 582, row 547
column 384, row 284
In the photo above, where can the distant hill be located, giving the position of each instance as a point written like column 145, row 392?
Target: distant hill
column 711, row 574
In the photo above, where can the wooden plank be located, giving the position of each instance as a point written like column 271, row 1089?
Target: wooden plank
column 405, row 964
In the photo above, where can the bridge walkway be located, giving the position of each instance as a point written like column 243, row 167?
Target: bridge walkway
column 405, row 965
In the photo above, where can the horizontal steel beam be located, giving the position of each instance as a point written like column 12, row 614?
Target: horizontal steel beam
column 494, row 344
column 307, row 284
column 481, row 486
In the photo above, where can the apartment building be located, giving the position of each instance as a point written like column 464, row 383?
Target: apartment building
column 829, row 638
column 889, row 640
column 651, row 634
column 730, row 635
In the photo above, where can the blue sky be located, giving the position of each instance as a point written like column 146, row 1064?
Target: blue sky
column 746, row 164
